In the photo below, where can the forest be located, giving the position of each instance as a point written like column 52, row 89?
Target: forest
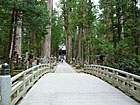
column 107, row 33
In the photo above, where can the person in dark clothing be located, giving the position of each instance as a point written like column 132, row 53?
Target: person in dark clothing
column 31, row 57
column 62, row 60
column 102, row 58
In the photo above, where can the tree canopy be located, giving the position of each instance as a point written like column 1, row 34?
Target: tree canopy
column 107, row 33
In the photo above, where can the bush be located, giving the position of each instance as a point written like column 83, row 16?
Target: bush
column 124, row 62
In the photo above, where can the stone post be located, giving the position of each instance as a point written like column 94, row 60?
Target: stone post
column 5, row 85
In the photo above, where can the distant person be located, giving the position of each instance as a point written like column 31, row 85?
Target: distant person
column 31, row 57
column 34, row 63
column 27, row 64
column 27, row 55
column 101, row 58
column 64, row 57
column 59, row 59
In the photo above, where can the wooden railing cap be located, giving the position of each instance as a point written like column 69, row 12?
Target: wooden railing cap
column 117, row 70
column 24, row 72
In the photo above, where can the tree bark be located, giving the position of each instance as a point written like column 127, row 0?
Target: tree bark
column 34, row 43
column 82, row 45
column 65, row 29
column 90, row 52
column 19, row 38
column 74, row 45
column 14, row 42
column 70, row 48
column 10, row 36
column 79, row 43
column 134, row 32
column 119, row 27
column 69, row 35
column 47, row 45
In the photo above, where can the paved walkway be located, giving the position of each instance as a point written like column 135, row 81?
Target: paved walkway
column 64, row 68
column 66, row 87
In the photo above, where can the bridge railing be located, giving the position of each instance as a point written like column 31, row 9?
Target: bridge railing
column 15, row 88
column 22, row 82
column 127, row 82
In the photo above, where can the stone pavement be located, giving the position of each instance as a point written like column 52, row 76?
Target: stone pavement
column 64, row 68
column 66, row 87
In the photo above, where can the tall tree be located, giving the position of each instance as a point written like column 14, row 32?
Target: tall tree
column 34, row 16
column 57, row 38
column 47, row 44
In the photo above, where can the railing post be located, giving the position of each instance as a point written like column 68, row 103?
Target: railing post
column 5, row 85
column 114, row 78
column 129, row 79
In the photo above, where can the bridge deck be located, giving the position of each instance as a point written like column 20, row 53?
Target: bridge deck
column 66, row 87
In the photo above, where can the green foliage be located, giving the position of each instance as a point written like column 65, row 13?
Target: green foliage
column 57, row 38
column 34, row 16
column 117, row 35
column 129, row 63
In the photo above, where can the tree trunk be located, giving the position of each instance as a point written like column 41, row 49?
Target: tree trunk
column 74, row 45
column 14, row 41
column 28, row 38
column 136, row 44
column 19, row 38
column 82, row 45
column 10, row 37
column 67, row 47
column 42, row 49
column 34, row 43
column 119, row 27
column 86, row 44
column 69, row 33
column 47, row 46
column 66, row 30
column 90, row 52
column 135, row 33
column 70, row 48
column 122, row 24
column 79, row 44
column 108, row 36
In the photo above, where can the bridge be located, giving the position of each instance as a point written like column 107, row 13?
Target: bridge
column 95, row 85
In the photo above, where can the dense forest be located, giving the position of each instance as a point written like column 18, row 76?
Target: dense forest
column 22, row 27
column 106, row 34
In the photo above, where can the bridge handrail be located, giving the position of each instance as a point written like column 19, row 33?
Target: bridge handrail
column 22, row 82
column 24, row 72
column 127, row 82
column 117, row 70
